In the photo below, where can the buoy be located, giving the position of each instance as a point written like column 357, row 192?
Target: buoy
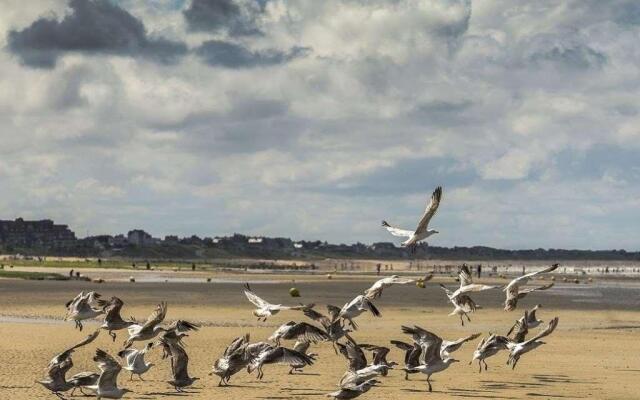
column 293, row 292
column 329, row 276
column 420, row 284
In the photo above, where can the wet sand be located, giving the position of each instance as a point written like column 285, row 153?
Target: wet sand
column 593, row 354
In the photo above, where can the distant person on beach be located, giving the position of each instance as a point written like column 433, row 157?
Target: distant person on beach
column 71, row 274
column 479, row 270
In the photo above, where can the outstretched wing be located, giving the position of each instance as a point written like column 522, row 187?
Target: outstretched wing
column 396, row 231
column 464, row 275
column 453, row 346
column 156, row 316
column 306, row 332
column 431, row 209
column 110, row 369
column 253, row 298
column 354, row 355
column 549, row 329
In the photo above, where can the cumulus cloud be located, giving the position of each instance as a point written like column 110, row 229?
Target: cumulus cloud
column 316, row 119
column 91, row 26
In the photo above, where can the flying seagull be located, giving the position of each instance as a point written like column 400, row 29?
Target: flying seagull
column 421, row 232
column 356, row 307
column 55, row 380
column 333, row 326
column 516, row 350
column 353, row 392
column 81, row 308
column 179, row 364
column 488, row 347
column 514, row 292
column 277, row 355
column 234, row 359
column 134, row 360
column 112, row 319
column 265, row 309
column 376, row 289
column 298, row 331
column 107, row 384
column 529, row 318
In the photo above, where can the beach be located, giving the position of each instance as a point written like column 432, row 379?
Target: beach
column 592, row 354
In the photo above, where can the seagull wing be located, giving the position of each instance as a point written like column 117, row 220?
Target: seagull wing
column 156, row 317
column 396, row 231
column 253, row 298
column 548, row 330
column 520, row 329
column 453, row 346
column 465, row 276
column 305, row 332
column 354, row 354
column 431, row 209
column 110, row 369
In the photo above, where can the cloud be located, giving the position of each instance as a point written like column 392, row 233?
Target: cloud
column 91, row 27
column 225, row 16
column 230, row 55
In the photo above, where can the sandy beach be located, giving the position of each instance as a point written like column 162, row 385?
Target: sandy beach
column 593, row 353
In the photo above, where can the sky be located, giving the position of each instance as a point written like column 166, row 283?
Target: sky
column 317, row 119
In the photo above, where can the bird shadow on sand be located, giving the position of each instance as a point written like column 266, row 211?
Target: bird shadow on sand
column 558, row 379
column 551, row 395
column 506, row 385
column 476, row 393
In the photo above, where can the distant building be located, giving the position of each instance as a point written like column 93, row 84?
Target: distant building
column 43, row 233
column 255, row 240
column 140, row 238
column 171, row 239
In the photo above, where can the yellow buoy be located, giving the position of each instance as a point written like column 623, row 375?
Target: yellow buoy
column 293, row 292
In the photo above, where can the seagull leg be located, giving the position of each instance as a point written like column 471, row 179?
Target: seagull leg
column 485, row 365
column 461, row 320
column 80, row 325
column 406, row 375
column 479, row 366
column 113, row 335
column 468, row 319
column 429, row 382
column 131, row 377
column 140, row 376
column 291, row 370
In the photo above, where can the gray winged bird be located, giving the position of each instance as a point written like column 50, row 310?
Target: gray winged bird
column 234, row 359
column 333, row 326
column 435, row 352
column 82, row 308
column 55, row 380
column 356, row 307
column 529, row 320
column 354, row 391
column 83, row 380
column 298, row 331
column 411, row 356
column 179, row 364
column 488, row 347
column 515, row 292
column 516, row 350
column 264, row 309
column 376, row 289
column 277, row 355
column 112, row 319
column 358, row 371
column 303, row 348
column 134, row 360
column 107, row 384
column 422, row 231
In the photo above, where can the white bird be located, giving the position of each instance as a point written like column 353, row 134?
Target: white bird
column 277, row 355
column 134, row 360
column 462, row 303
column 81, row 308
column 353, row 392
column 55, row 380
column 488, row 347
column 432, row 360
column 298, row 331
column 107, row 385
column 265, row 309
column 234, row 359
column 529, row 318
column 514, row 292
column 516, row 350
column 376, row 289
column 422, row 231
column 150, row 329
column 466, row 283
column 356, row 307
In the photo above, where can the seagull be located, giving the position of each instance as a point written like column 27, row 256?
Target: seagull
column 376, row 289
column 298, row 331
column 152, row 328
column 358, row 370
column 514, row 292
column 179, row 364
column 233, row 360
column 333, row 326
column 264, row 308
column 463, row 304
column 55, row 379
column 411, row 356
column 422, row 232
column 277, row 355
column 356, row 307
column 432, row 352
column 530, row 319
column 112, row 319
column 80, row 308
column 466, row 283
column 83, row 380
column 107, row 385
column 516, row 350
column 520, row 329
column 353, row 392
column 134, row 360
column 58, row 358
column 488, row 346
column 422, row 336
column 303, row 348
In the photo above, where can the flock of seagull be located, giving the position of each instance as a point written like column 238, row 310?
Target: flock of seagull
column 424, row 351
